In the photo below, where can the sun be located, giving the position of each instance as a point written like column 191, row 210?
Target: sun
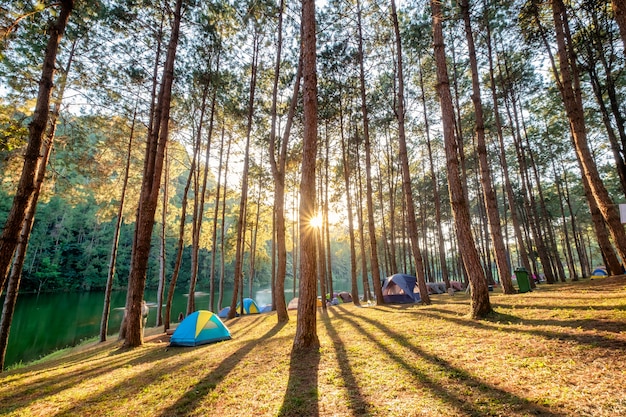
column 316, row 221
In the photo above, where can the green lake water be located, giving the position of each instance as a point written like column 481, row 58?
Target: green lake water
column 43, row 323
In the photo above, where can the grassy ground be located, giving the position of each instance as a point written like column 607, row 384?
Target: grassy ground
column 558, row 351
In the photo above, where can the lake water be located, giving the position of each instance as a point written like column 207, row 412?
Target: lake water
column 43, row 323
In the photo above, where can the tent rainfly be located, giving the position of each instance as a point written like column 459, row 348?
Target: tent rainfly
column 199, row 328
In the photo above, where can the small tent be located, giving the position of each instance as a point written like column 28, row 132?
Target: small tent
column 249, row 307
column 199, row 328
column 399, row 289
column 600, row 271
column 223, row 313
column 345, row 297
column 293, row 304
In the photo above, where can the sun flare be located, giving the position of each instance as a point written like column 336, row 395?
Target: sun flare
column 316, row 221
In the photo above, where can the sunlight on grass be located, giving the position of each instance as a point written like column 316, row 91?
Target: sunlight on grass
column 557, row 351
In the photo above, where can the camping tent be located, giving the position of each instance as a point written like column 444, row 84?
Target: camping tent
column 198, row 328
column 223, row 313
column 249, row 306
column 600, row 271
column 345, row 296
column 398, row 289
column 293, row 304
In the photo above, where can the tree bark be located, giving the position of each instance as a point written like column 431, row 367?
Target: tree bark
column 354, row 289
column 404, row 162
column 243, row 203
column 489, row 195
column 480, row 305
column 278, row 172
column 155, row 153
column 378, row 292
column 33, row 157
column 569, row 86
column 104, row 323
column 306, row 331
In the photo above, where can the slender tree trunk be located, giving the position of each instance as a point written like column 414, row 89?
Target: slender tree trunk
column 198, row 213
column 569, row 86
column 481, row 306
column 278, row 172
column 521, row 246
column 435, row 185
column 378, row 292
column 214, row 228
column 346, row 178
column 489, row 195
column 364, row 276
column 181, row 240
column 162, row 250
column 223, row 229
column 33, row 157
column 404, row 161
column 566, row 241
column 14, row 279
column 132, row 327
column 104, row 323
column 306, row 332
column 241, row 226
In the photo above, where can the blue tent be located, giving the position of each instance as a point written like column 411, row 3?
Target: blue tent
column 199, row 328
column 249, row 307
column 223, row 313
column 400, row 289
column 600, row 271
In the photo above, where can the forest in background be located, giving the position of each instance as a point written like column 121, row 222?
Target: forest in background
column 234, row 128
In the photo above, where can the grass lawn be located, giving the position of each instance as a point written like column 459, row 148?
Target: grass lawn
column 557, row 351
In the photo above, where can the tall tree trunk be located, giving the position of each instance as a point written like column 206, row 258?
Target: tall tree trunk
column 27, row 185
column 278, row 172
column 214, row 228
column 223, row 229
column 521, row 246
column 354, row 289
column 181, row 241
column 162, row 249
column 199, row 195
column 155, row 152
column 566, row 241
column 325, row 223
column 14, row 279
column 404, row 161
column 489, row 195
column 243, row 203
column 378, row 292
column 306, row 332
column 480, row 306
column 569, row 85
column 435, row 185
column 359, row 183
column 104, row 323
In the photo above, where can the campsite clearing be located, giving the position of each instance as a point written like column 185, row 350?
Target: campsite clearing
column 557, row 351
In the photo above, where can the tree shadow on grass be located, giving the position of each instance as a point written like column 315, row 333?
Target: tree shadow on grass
column 490, row 397
column 188, row 402
column 355, row 399
column 496, row 320
column 302, row 397
column 51, row 384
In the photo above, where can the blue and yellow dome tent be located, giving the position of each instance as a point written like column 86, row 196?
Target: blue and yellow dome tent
column 249, row 307
column 199, row 328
